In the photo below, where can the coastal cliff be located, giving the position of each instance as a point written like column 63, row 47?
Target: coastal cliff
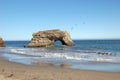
column 2, row 44
column 48, row 37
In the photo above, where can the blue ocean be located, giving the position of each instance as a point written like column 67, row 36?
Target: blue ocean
column 97, row 55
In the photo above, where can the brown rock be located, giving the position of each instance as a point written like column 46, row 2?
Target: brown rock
column 2, row 44
column 48, row 37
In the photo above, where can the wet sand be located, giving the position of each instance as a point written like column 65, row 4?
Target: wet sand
column 46, row 71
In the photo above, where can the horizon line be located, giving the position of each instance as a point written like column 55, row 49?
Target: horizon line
column 72, row 39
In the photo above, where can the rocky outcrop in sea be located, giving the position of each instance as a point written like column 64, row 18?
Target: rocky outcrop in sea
column 48, row 38
column 2, row 44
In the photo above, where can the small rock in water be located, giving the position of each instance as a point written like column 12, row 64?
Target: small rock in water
column 43, row 64
column 65, row 65
column 105, row 53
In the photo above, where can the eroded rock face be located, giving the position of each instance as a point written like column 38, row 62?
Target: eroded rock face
column 2, row 44
column 48, row 37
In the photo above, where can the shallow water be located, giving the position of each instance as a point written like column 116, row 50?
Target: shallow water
column 84, row 55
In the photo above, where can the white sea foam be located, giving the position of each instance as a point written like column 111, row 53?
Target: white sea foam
column 18, row 51
column 65, row 55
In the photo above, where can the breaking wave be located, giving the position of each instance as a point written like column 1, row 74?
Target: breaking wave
column 65, row 55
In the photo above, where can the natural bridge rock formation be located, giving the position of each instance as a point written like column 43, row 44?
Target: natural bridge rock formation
column 2, row 44
column 47, row 38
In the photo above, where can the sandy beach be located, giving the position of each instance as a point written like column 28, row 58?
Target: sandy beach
column 45, row 71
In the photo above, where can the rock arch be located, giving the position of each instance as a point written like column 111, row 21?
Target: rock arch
column 48, row 38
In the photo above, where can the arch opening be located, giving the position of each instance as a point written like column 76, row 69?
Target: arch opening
column 58, row 43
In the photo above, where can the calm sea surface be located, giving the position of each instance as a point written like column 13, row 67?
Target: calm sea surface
column 99, row 55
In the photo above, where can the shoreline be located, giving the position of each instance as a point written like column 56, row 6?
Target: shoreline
column 93, row 66
column 45, row 71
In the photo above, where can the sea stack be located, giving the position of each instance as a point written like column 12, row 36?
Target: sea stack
column 48, row 38
column 2, row 44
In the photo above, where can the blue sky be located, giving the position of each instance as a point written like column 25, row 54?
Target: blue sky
column 84, row 19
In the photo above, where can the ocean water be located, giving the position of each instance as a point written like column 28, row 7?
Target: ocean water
column 85, row 55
